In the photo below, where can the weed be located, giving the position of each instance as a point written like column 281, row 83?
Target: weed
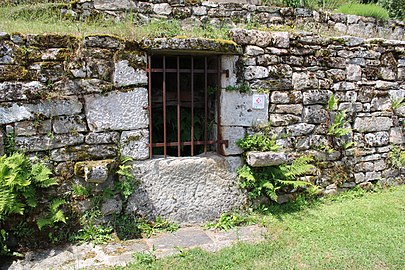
column 159, row 225
column 80, row 191
column 91, row 231
column 258, row 142
column 398, row 103
column 144, row 258
column 126, row 184
column 242, row 88
column 396, row 157
column 9, row 143
column 228, row 221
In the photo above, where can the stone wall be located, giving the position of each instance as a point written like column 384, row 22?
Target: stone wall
column 80, row 103
column 232, row 13
column 299, row 73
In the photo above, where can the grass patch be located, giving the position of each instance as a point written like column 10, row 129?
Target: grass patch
column 46, row 18
column 356, row 230
column 366, row 10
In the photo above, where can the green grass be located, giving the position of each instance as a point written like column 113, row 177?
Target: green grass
column 351, row 231
column 46, row 18
column 367, row 10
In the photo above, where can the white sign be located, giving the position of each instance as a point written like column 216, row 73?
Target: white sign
column 258, row 101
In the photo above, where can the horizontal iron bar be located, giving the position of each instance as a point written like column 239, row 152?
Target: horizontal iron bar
column 189, row 143
column 186, row 70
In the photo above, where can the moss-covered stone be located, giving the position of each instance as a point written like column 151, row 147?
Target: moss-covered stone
column 136, row 59
column 13, row 73
column 192, row 45
column 52, row 41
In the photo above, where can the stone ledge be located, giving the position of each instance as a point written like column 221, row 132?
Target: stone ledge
column 192, row 45
column 263, row 159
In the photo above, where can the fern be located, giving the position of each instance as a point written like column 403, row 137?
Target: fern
column 20, row 182
column 55, row 214
column 268, row 180
column 333, row 103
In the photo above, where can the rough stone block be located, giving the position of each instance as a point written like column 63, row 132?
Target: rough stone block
column 286, row 97
column 111, row 206
column 316, row 97
column 50, row 108
column 14, row 91
column 263, row 159
column 185, row 190
column 232, row 134
column 295, row 109
column 253, row 50
column 45, row 142
column 113, row 5
column 69, row 124
column 252, row 37
column 102, row 138
column 162, row 9
column 372, row 124
column 353, row 73
column 84, row 152
column 377, row 139
column 315, row 114
column 280, row 39
column 236, row 110
column 29, row 128
column 256, row 72
column 94, row 171
column 117, row 110
column 300, row 129
column 10, row 113
column 283, row 119
column 126, row 75
column 397, row 135
column 302, row 81
column 134, row 144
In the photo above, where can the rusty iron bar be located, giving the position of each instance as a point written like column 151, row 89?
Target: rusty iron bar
column 192, row 105
column 185, row 70
column 178, row 107
column 219, row 135
column 205, row 104
column 164, row 108
column 150, row 106
column 212, row 142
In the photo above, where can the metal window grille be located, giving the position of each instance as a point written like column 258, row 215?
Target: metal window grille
column 184, row 104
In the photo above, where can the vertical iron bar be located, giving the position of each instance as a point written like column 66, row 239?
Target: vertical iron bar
column 150, row 106
column 178, row 106
column 164, row 108
column 219, row 135
column 205, row 104
column 192, row 105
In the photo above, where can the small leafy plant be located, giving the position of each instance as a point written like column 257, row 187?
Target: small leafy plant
column 228, row 221
column 398, row 103
column 126, row 184
column 258, row 142
column 242, row 88
column 159, row 225
column 396, row 157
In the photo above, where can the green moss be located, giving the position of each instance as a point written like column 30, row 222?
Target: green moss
column 13, row 73
column 53, row 41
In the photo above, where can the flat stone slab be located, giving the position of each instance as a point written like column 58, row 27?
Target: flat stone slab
column 184, row 237
column 89, row 256
column 262, row 159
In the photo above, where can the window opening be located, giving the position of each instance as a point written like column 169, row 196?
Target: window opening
column 183, row 100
